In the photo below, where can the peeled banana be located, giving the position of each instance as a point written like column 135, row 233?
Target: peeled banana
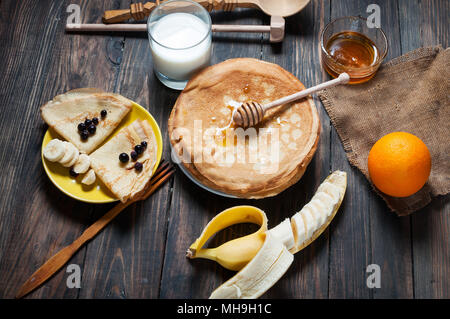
column 314, row 217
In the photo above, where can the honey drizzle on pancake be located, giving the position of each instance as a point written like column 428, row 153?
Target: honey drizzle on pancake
column 222, row 131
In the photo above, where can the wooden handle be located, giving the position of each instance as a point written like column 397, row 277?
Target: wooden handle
column 63, row 256
column 143, row 27
column 139, row 11
column 342, row 79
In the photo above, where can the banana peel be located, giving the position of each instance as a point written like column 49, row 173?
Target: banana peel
column 236, row 253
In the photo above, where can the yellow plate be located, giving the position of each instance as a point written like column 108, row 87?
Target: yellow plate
column 96, row 193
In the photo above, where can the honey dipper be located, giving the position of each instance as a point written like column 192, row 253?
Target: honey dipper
column 252, row 113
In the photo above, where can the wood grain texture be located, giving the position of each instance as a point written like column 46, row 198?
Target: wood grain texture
column 142, row 253
column 308, row 275
column 394, row 231
column 373, row 218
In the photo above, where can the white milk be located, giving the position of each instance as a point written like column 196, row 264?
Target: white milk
column 182, row 51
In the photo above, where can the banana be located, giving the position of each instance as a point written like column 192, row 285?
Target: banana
column 89, row 178
column 283, row 232
column 261, row 273
column 82, row 165
column 235, row 253
column 54, row 150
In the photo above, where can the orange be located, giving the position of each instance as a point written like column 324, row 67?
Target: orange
column 399, row 164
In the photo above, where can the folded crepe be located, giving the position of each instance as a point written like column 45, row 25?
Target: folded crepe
column 67, row 110
column 123, row 179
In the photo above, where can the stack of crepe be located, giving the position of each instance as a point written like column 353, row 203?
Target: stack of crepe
column 207, row 104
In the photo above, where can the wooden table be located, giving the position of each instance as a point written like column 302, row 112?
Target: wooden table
column 141, row 254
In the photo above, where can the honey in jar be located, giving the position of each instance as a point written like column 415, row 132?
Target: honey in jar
column 351, row 52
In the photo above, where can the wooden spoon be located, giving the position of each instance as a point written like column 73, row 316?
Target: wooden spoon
column 138, row 11
column 252, row 113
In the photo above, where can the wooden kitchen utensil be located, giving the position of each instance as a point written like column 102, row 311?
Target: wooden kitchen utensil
column 252, row 113
column 275, row 29
column 161, row 175
column 139, row 11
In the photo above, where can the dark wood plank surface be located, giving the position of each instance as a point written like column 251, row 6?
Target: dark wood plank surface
column 141, row 254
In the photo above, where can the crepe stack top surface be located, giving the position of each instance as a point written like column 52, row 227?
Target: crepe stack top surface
column 67, row 110
column 121, row 178
column 208, row 102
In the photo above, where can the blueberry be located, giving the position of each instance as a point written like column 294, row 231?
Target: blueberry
column 87, row 122
column 134, row 155
column 81, row 127
column 95, row 120
column 92, row 128
column 84, row 135
column 138, row 166
column 144, row 144
column 73, row 173
column 103, row 113
column 123, row 157
column 139, row 149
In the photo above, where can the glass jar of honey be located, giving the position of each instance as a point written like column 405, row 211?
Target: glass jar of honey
column 348, row 45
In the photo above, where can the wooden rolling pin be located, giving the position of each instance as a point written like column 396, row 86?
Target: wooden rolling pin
column 275, row 29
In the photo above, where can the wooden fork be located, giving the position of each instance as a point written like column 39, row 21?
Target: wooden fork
column 161, row 175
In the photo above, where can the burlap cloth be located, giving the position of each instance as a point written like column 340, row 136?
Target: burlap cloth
column 410, row 93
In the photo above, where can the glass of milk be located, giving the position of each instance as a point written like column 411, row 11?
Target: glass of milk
column 179, row 32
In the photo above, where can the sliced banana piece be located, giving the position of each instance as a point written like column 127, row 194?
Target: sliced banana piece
column 261, row 273
column 284, row 233
column 318, row 210
column 89, row 178
column 299, row 229
column 54, row 150
column 83, row 163
column 310, row 221
column 70, row 153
